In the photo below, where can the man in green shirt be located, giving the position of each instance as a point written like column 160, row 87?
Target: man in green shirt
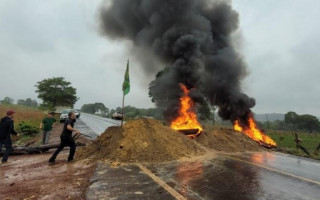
column 46, row 126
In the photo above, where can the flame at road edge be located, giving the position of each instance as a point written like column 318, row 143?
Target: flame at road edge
column 254, row 133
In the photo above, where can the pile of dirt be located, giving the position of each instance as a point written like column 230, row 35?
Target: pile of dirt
column 141, row 140
column 228, row 140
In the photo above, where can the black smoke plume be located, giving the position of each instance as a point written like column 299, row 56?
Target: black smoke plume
column 191, row 40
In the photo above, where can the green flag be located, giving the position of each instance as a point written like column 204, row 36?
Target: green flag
column 126, row 82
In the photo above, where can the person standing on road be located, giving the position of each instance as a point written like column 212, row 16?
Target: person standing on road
column 47, row 125
column 7, row 128
column 66, row 138
column 298, row 145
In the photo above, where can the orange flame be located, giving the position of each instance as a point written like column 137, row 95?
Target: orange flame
column 254, row 133
column 187, row 118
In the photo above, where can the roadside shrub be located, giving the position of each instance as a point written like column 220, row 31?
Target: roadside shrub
column 27, row 128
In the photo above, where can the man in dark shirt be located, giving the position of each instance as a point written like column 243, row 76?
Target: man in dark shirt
column 7, row 128
column 66, row 138
column 47, row 125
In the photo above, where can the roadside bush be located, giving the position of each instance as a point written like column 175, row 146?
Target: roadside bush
column 27, row 128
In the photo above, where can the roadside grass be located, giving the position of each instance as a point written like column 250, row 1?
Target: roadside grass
column 286, row 144
column 31, row 116
column 27, row 114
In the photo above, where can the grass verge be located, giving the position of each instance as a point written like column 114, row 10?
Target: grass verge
column 286, row 144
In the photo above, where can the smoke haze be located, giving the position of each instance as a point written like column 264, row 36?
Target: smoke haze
column 191, row 42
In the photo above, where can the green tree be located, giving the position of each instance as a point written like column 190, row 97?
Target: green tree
column 20, row 102
column 100, row 106
column 56, row 92
column 308, row 122
column 302, row 122
column 31, row 103
column 112, row 111
column 279, row 125
column 88, row 108
column 28, row 102
column 291, row 119
column 131, row 112
column 92, row 108
column 7, row 101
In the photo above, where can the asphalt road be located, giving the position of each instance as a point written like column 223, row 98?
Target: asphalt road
column 251, row 176
column 94, row 125
column 246, row 176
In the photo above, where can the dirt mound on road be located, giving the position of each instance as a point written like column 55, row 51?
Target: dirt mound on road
column 141, row 140
column 228, row 140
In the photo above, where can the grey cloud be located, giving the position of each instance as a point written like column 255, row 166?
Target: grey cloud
column 60, row 38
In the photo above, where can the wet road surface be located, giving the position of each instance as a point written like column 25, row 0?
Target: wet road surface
column 245, row 176
column 85, row 129
column 299, row 167
column 94, row 125
column 250, row 176
column 127, row 182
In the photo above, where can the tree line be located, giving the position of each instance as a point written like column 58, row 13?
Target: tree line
column 293, row 122
column 22, row 102
column 130, row 111
column 93, row 108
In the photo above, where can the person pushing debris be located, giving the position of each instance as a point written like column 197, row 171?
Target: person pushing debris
column 47, row 125
column 66, row 138
column 298, row 145
column 317, row 149
column 7, row 128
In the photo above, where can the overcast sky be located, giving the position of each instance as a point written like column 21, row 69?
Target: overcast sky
column 44, row 39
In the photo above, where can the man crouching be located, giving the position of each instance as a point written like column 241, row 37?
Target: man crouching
column 66, row 138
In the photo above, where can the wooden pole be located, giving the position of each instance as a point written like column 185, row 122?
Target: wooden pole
column 122, row 110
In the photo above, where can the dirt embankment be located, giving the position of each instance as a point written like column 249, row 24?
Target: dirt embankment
column 147, row 140
column 228, row 140
column 141, row 140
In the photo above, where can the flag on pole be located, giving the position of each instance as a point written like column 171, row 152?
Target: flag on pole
column 126, row 82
